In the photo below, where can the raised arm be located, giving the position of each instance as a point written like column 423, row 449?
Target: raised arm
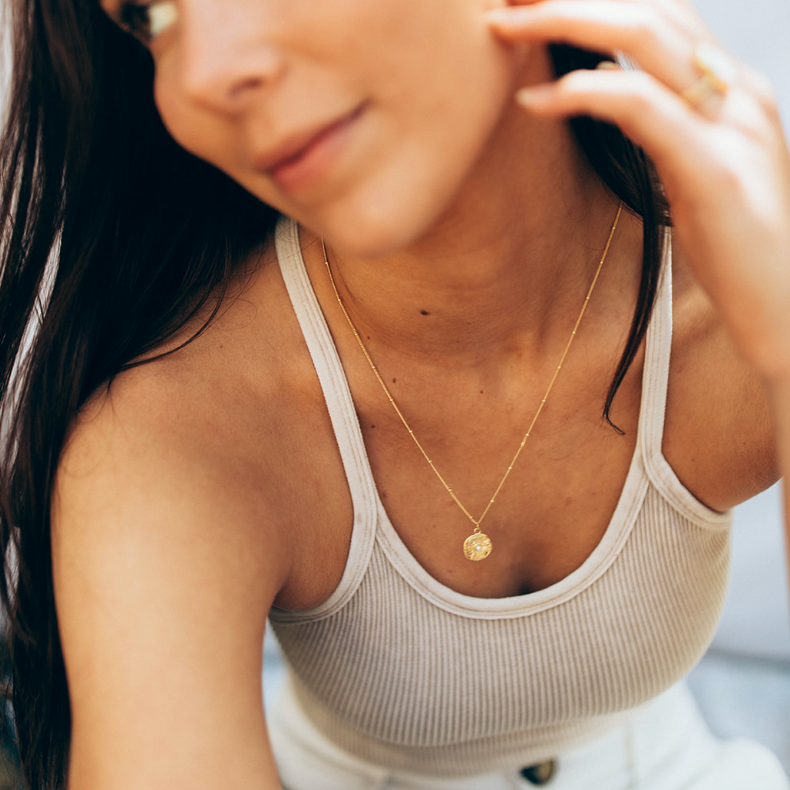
column 712, row 128
column 164, row 575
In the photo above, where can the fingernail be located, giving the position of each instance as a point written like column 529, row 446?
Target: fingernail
column 607, row 65
column 503, row 16
column 529, row 97
column 497, row 15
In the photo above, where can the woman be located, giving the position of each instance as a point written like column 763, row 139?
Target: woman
column 332, row 422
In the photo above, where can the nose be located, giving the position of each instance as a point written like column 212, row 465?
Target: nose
column 228, row 55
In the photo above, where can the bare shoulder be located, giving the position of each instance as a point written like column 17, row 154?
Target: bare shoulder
column 167, row 555
column 148, row 451
column 186, row 440
column 199, row 431
column 718, row 437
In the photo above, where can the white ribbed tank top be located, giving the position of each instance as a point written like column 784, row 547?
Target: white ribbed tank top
column 403, row 672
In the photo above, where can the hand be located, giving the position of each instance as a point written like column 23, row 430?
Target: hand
column 722, row 157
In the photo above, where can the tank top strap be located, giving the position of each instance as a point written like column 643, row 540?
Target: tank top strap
column 655, row 381
column 342, row 414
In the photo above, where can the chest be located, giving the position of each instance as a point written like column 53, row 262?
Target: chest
column 550, row 510
column 553, row 497
column 404, row 662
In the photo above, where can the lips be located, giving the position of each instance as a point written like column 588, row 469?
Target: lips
column 303, row 154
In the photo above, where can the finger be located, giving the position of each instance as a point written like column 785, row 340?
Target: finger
column 653, row 116
column 678, row 10
column 660, row 43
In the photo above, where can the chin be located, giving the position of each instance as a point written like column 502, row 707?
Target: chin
column 373, row 234
column 379, row 221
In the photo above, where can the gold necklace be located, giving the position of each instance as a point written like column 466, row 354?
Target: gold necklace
column 478, row 545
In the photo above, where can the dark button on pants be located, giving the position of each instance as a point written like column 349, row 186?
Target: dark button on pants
column 541, row 773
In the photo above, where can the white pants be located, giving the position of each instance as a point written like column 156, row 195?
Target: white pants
column 665, row 745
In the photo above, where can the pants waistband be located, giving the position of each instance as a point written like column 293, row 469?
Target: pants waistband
column 664, row 745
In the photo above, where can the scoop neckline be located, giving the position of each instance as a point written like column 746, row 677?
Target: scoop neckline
column 593, row 567
column 372, row 523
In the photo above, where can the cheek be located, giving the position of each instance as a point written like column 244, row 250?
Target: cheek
column 443, row 104
column 441, row 73
column 437, row 51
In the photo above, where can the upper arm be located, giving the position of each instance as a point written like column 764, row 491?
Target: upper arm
column 163, row 576
column 719, row 437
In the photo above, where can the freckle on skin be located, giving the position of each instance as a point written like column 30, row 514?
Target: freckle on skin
column 424, row 312
column 394, row 381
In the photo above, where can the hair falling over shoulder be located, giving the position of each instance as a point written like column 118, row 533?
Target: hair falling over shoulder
column 112, row 238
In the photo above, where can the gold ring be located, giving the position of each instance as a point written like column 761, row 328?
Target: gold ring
column 718, row 74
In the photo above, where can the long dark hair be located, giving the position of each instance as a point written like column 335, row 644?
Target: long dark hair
column 112, row 239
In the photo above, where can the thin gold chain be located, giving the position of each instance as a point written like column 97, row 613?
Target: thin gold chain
column 476, row 521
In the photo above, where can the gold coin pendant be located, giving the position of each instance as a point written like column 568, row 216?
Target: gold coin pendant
column 477, row 547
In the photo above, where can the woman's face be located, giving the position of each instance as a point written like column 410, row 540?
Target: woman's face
column 360, row 118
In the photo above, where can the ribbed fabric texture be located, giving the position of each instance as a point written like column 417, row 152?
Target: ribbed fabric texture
column 403, row 672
